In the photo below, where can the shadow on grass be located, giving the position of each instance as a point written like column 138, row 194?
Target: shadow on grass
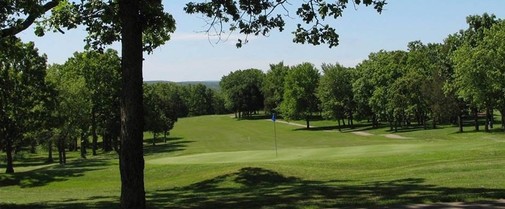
column 253, row 187
column 257, row 187
column 27, row 161
column 172, row 144
column 52, row 173
column 97, row 202
column 343, row 129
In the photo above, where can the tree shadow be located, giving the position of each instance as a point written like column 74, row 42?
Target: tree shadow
column 256, row 117
column 53, row 173
column 96, row 202
column 407, row 129
column 253, row 187
column 173, row 144
column 343, row 129
column 28, row 161
column 318, row 128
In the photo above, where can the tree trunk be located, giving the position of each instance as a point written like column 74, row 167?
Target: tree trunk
column 488, row 122
column 491, row 118
column 60, row 153
column 50, row 151
column 396, row 123
column 8, row 152
column 503, row 119
column 116, row 144
column 434, row 118
column 33, row 146
column 476, row 118
column 93, row 131
column 339, row 127
column 460, row 122
column 165, row 136
column 154, row 139
column 308, row 123
column 61, row 149
column 351, row 120
column 84, row 143
column 131, row 158
column 391, row 123
column 64, row 153
column 107, row 140
column 425, row 126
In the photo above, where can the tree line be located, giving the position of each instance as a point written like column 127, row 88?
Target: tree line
column 467, row 69
column 460, row 79
column 75, row 106
column 142, row 26
column 65, row 105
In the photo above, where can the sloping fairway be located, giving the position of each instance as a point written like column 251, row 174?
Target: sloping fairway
column 221, row 162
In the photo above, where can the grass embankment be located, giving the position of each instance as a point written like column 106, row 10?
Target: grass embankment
column 219, row 162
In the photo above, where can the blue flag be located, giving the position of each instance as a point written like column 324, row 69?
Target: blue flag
column 273, row 117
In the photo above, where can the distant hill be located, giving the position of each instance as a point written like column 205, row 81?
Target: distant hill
column 210, row 84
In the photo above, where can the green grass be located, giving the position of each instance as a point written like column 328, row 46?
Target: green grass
column 221, row 162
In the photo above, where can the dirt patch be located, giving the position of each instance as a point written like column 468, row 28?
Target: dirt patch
column 395, row 136
column 293, row 124
column 362, row 133
column 491, row 204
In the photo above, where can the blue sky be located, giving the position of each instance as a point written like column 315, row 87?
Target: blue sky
column 191, row 56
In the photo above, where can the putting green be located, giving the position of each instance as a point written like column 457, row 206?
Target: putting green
column 295, row 154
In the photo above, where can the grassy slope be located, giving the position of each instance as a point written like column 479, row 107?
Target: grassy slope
column 218, row 162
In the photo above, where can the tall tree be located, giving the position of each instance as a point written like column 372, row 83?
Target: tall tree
column 160, row 108
column 273, row 87
column 335, row 93
column 472, row 79
column 480, row 72
column 363, row 89
column 199, row 100
column 381, row 69
column 101, row 73
column 73, row 105
column 300, row 88
column 243, row 91
column 89, row 81
column 128, row 20
column 22, row 92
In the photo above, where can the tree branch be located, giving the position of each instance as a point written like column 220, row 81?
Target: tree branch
column 11, row 31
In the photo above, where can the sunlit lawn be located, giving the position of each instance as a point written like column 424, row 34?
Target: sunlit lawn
column 221, row 162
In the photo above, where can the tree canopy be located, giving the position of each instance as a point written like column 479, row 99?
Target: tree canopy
column 300, row 88
column 24, row 93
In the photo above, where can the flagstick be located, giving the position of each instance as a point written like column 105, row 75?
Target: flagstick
column 275, row 139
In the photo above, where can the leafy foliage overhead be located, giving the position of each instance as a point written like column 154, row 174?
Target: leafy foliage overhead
column 262, row 16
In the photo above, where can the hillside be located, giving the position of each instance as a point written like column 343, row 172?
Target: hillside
column 220, row 162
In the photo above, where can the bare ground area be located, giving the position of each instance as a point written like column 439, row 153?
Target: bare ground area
column 500, row 204
column 395, row 136
column 293, row 124
column 362, row 133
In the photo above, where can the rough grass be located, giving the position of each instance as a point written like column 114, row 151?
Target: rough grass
column 221, row 162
